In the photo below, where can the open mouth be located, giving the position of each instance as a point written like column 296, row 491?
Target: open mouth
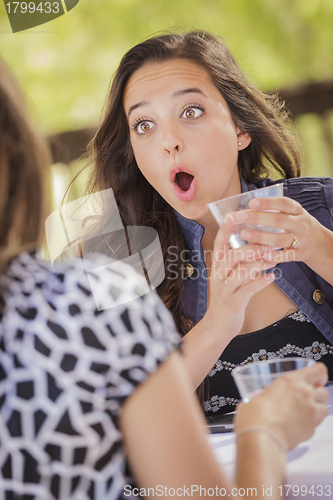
column 184, row 183
column 184, row 180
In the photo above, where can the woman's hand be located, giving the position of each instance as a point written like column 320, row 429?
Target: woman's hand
column 291, row 407
column 235, row 276
column 315, row 242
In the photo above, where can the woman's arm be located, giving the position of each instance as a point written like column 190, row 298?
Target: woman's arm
column 235, row 276
column 163, row 432
column 167, row 446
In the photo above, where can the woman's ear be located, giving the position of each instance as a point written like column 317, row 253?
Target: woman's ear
column 243, row 139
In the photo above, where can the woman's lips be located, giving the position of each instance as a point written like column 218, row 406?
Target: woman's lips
column 186, row 195
column 182, row 194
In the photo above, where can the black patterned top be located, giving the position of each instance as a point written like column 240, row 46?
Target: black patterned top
column 66, row 367
column 294, row 335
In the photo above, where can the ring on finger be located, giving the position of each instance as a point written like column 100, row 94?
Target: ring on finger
column 295, row 243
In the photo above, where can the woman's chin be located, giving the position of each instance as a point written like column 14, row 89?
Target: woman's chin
column 200, row 215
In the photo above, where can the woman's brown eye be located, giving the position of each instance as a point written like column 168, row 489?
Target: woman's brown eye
column 190, row 113
column 144, row 127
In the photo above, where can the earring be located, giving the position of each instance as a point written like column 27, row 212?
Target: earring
column 239, row 144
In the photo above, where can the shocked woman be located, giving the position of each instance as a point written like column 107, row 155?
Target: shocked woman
column 183, row 128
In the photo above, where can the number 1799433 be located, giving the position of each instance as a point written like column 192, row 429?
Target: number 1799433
column 32, row 7
column 293, row 490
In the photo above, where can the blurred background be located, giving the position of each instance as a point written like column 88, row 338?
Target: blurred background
column 65, row 66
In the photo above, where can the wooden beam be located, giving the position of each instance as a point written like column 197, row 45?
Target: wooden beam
column 68, row 146
column 312, row 98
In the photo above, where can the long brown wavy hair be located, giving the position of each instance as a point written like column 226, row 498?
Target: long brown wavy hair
column 24, row 159
column 273, row 146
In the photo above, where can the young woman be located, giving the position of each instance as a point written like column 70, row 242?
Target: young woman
column 82, row 389
column 183, row 128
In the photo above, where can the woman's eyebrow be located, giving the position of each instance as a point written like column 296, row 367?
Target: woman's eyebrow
column 137, row 105
column 193, row 90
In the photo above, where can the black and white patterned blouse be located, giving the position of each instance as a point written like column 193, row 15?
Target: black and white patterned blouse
column 65, row 370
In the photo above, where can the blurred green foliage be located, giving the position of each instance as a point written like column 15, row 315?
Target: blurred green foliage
column 65, row 66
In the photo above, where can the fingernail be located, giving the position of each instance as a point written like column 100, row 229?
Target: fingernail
column 246, row 235
column 241, row 216
column 255, row 203
column 228, row 219
column 270, row 276
column 265, row 248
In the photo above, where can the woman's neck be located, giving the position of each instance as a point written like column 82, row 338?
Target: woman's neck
column 209, row 236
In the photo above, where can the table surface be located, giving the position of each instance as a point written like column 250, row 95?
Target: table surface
column 310, row 463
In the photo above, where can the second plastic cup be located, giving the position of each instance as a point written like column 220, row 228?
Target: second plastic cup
column 254, row 377
column 221, row 208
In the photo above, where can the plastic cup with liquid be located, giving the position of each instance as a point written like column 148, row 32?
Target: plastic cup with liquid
column 252, row 378
column 221, row 208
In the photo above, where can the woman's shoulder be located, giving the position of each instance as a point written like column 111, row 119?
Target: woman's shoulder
column 28, row 272
column 306, row 183
column 95, row 290
column 28, row 275
column 311, row 192
column 299, row 182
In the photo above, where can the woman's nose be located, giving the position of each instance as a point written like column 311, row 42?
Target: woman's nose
column 172, row 141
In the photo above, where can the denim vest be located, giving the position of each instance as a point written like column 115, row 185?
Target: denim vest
column 309, row 291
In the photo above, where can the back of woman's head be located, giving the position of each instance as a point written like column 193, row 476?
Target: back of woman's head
column 23, row 161
column 273, row 147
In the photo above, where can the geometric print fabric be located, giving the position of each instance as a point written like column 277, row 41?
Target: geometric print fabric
column 65, row 371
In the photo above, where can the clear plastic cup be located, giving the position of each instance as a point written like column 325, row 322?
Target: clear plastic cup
column 252, row 378
column 221, row 208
